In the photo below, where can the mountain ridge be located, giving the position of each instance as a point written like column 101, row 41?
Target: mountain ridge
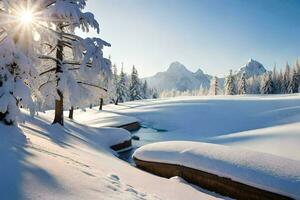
column 179, row 77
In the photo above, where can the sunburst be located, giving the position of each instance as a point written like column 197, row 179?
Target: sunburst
column 26, row 17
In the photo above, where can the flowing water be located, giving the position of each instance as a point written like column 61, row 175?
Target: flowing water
column 145, row 135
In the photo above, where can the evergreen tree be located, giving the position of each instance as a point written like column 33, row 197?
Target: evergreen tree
column 267, row 86
column 297, row 66
column 122, row 90
column 276, row 80
column 285, row 79
column 242, row 85
column 230, row 84
column 145, row 91
column 66, row 80
column 135, row 86
column 214, row 86
column 17, row 68
column 294, row 82
column 154, row 93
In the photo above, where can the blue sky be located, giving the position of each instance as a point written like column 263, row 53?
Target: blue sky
column 214, row 35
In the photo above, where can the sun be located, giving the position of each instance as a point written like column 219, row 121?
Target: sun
column 26, row 17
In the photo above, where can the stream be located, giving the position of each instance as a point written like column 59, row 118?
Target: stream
column 145, row 135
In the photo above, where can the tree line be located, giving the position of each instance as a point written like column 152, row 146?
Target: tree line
column 126, row 87
column 283, row 81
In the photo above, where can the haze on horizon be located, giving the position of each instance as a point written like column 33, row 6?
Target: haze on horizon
column 213, row 35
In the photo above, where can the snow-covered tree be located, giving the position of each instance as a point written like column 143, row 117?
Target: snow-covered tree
column 135, row 86
column 145, row 90
column 294, row 82
column 267, row 86
column 67, row 80
column 230, row 84
column 214, row 86
column 122, row 88
column 154, row 93
column 253, row 84
column 242, row 85
column 17, row 71
column 285, row 79
column 297, row 66
column 276, row 79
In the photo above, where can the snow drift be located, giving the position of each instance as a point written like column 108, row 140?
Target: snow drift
column 261, row 170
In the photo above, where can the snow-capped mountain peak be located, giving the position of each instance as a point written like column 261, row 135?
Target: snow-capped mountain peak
column 199, row 72
column 177, row 67
column 252, row 68
column 178, row 77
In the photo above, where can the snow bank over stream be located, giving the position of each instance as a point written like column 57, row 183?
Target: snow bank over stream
column 265, row 171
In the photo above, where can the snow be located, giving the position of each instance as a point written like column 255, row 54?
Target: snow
column 257, row 122
column 50, row 162
column 15, row 77
column 41, row 160
column 71, row 11
column 95, row 118
column 273, row 173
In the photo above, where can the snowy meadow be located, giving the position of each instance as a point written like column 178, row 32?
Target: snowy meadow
column 74, row 124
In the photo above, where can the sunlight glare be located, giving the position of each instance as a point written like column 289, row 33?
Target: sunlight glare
column 26, row 17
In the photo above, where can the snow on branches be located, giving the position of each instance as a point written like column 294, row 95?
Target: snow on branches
column 16, row 72
column 77, row 63
column 70, row 12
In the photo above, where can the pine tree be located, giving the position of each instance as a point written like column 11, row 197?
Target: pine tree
column 214, row 86
column 230, row 84
column 154, row 93
column 242, row 85
column 17, row 67
column 297, row 66
column 285, row 79
column 122, row 90
column 294, row 82
column 135, row 86
column 145, row 91
column 276, row 80
column 267, row 86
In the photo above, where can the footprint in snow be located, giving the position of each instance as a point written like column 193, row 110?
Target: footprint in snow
column 117, row 186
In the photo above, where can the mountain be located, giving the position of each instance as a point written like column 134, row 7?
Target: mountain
column 252, row 68
column 178, row 77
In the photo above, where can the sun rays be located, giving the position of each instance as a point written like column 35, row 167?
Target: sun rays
column 26, row 17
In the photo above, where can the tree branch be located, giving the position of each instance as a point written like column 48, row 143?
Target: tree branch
column 76, row 63
column 50, row 58
column 45, row 84
column 92, row 85
column 50, row 70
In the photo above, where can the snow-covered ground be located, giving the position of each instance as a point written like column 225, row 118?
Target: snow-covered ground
column 267, row 124
column 42, row 161
column 261, row 170
column 39, row 161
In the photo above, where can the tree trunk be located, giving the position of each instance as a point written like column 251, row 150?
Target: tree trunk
column 117, row 101
column 71, row 111
column 59, row 109
column 101, row 104
column 59, row 103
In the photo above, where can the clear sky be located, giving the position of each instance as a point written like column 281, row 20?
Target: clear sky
column 214, row 35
